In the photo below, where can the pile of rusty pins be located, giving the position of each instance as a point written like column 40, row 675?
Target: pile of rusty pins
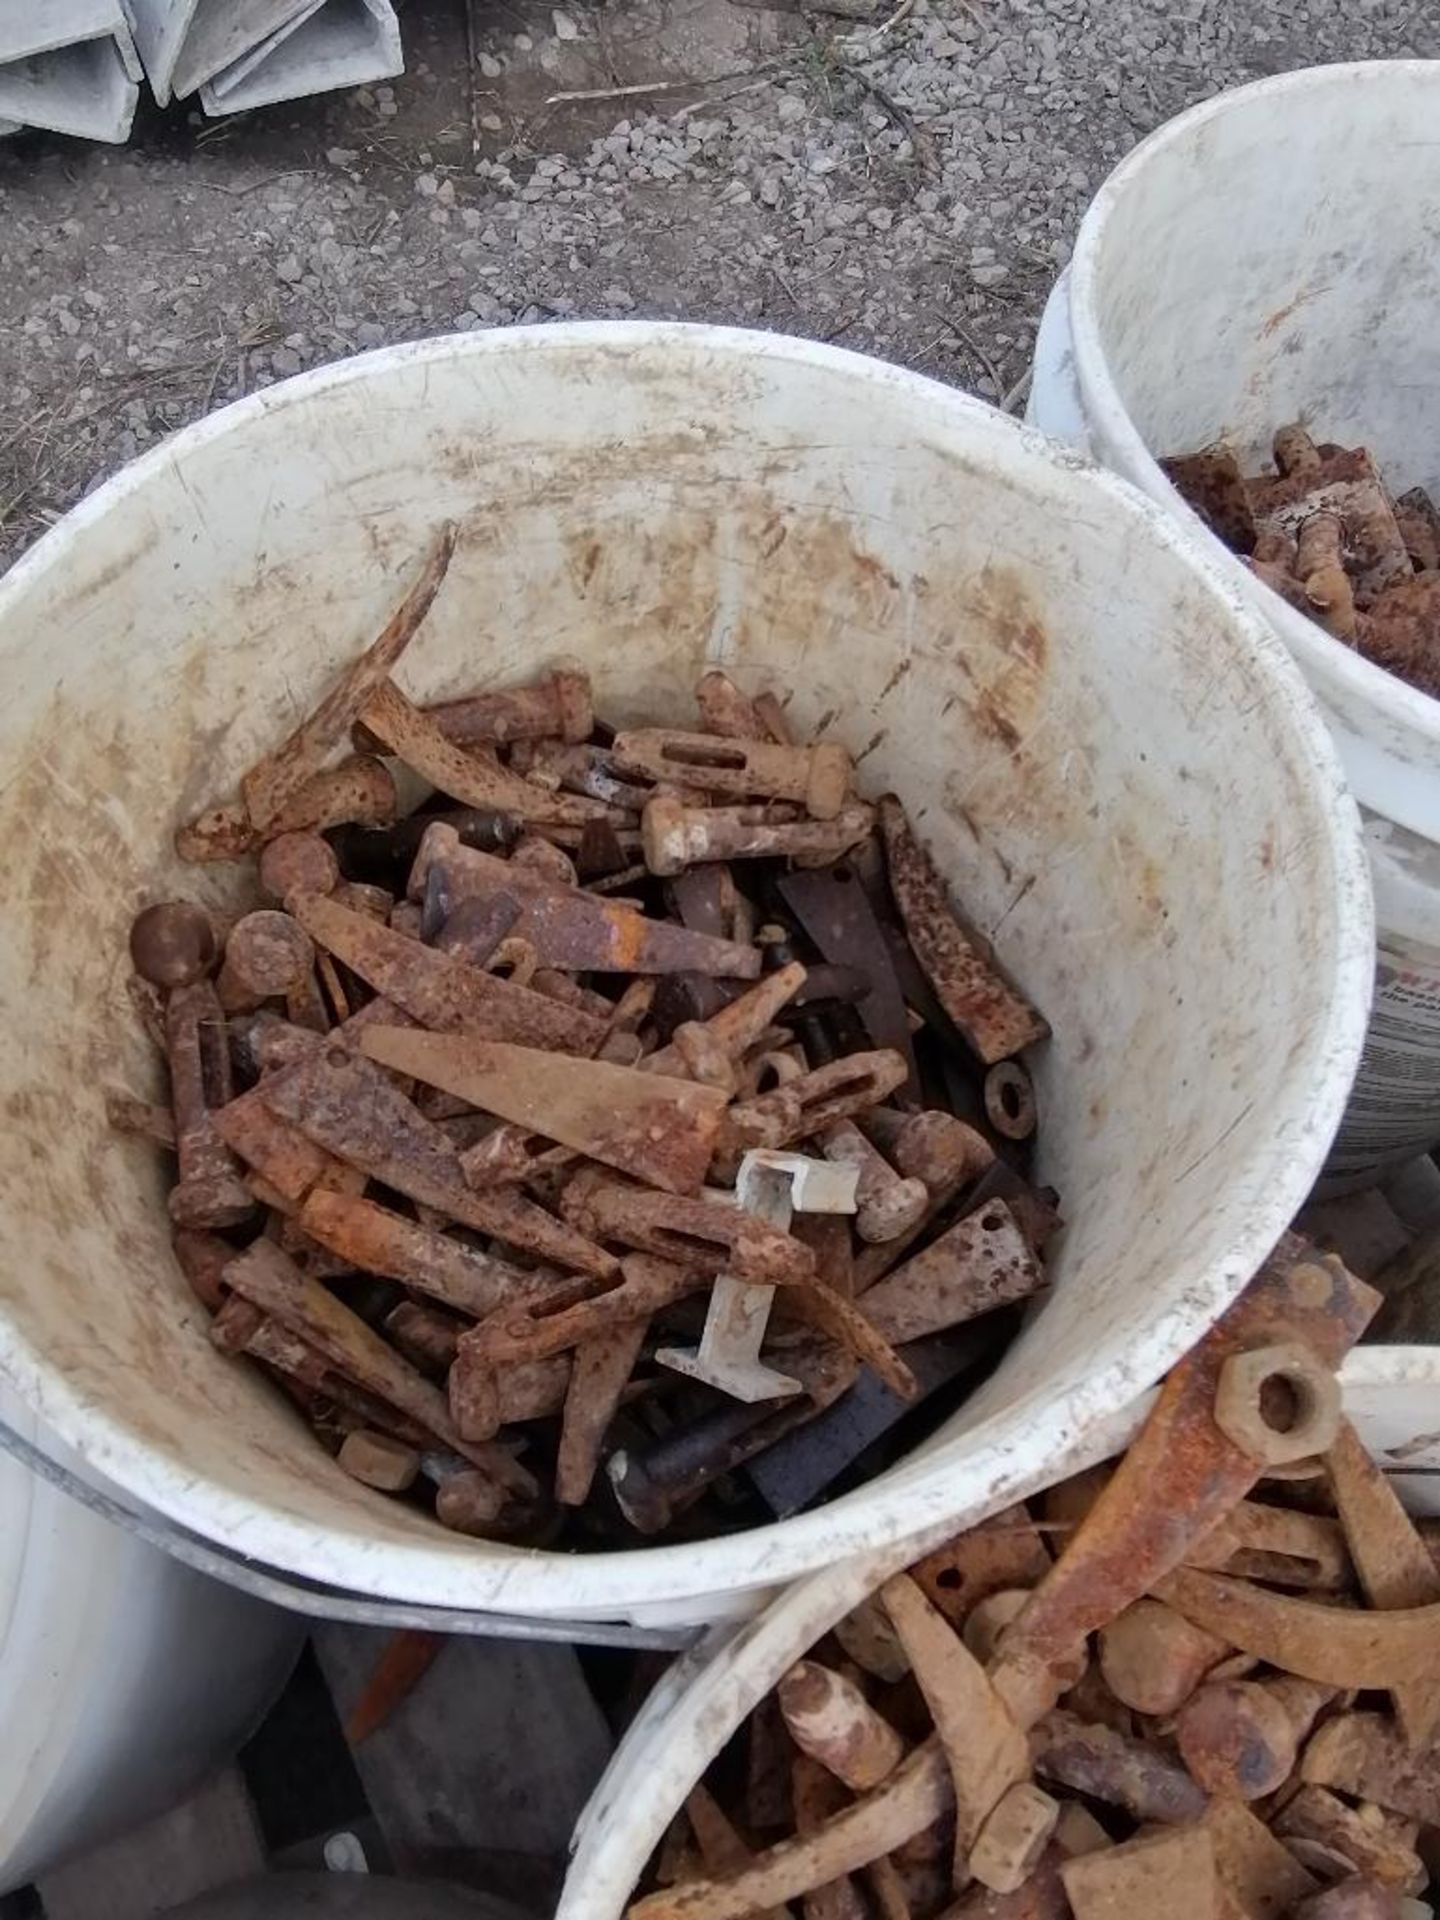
column 1219, row 1698
column 1326, row 535
column 501, row 1175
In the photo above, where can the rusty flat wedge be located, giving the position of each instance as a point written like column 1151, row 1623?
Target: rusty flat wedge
column 273, row 780
column 994, row 1016
column 833, row 907
column 376, row 1240
column 574, row 929
column 441, row 990
column 703, row 1232
column 984, row 1749
column 981, row 1263
column 1141, row 1877
column 274, row 1149
column 572, row 1314
column 1258, row 1874
column 349, row 1106
column 602, row 1369
column 662, row 1131
column 1181, row 1476
column 272, row 1281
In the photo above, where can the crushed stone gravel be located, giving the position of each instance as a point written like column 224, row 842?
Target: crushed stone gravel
column 908, row 186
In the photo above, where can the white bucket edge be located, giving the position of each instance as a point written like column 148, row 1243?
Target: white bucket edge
column 703, row 1699
column 1378, row 719
column 1009, row 1457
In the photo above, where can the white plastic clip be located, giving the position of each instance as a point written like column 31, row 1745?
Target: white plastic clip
column 773, row 1186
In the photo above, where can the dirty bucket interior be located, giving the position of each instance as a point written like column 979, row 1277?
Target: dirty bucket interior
column 1306, row 286
column 1112, row 760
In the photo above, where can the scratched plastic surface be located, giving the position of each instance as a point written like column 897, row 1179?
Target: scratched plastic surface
column 1113, row 759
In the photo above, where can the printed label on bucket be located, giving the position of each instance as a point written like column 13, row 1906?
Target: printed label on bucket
column 1394, row 1110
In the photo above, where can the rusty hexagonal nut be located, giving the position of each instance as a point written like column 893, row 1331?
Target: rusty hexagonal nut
column 1277, row 1404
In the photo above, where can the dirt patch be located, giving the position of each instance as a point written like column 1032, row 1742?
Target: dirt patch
column 908, row 186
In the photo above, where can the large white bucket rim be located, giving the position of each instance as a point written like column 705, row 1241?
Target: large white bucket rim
column 1405, row 711
column 1010, row 1454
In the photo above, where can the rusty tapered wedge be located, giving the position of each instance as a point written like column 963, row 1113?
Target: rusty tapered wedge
column 662, row 1131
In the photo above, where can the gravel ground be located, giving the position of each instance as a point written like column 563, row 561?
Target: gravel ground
column 908, row 186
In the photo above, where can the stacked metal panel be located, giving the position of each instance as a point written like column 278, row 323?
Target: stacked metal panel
column 341, row 43
column 74, row 66
column 248, row 53
column 70, row 66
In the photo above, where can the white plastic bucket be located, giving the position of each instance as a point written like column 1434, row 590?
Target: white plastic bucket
column 1270, row 255
column 705, row 1697
column 1108, row 752
column 124, row 1677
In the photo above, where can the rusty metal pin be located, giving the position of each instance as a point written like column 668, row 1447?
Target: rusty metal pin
column 676, row 837
column 704, row 1232
column 819, row 776
column 738, row 1026
column 830, row 1719
column 377, row 1240
column 267, row 956
column 173, row 944
column 532, row 854
column 727, row 711
column 298, row 863
column 569, row 1312
column 1243, row 1736
column 208, row 1192
column 574, row 928
column 560, row 706
column 807, row 1105
column 887, row 1204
